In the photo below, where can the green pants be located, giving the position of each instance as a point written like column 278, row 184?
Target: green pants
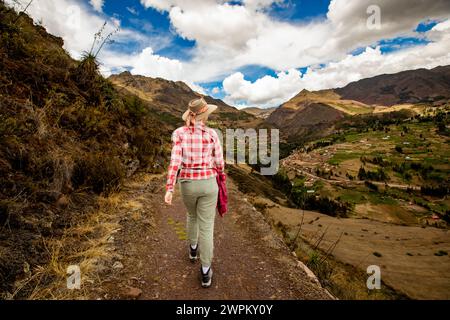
column 200, row 199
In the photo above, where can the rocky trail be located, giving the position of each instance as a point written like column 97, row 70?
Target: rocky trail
column 151, row 258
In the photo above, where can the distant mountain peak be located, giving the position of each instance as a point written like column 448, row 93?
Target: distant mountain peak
column 125, row 73
column 172, row 97
column 310, row 109
column 410, row 86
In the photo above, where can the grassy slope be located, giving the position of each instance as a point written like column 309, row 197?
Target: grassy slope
column 171, row 98
column 66, row 136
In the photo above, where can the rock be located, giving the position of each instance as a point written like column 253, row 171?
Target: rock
column 132, row 167
column 62, row 202
column 308, row 272
column 117, row 265
column 132, row 293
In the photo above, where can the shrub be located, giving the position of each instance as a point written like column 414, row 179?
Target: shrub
column 441, row 253
column 378, row 175
column 437, row 191
column 399, row 149
column 99, row 172
column 325, row 205
column 371, row 186
column 281, row 180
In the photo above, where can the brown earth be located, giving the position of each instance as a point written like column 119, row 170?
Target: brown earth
column 251, row 261
column 406, row 254
column 411, row 86
column 262, row 113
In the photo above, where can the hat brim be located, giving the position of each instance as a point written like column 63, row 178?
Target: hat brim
column 203, row 115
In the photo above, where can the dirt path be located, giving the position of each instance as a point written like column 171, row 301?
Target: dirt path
column 251, row 261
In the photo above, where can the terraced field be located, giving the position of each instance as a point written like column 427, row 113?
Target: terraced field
column 410, row 155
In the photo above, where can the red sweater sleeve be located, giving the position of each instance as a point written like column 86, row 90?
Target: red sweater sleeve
column 175, row 161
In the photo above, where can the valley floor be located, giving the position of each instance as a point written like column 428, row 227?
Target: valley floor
column 408, row 256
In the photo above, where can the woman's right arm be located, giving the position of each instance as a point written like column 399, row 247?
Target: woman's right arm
column 175, row 161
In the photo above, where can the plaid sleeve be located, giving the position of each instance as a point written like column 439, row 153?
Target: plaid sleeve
column 175, row 161
column 218, row 153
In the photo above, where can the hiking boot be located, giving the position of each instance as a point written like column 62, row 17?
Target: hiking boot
column 193, row 253
column 206, row 277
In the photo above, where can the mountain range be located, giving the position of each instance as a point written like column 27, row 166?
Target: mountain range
column 170, row 98
column 314, row 113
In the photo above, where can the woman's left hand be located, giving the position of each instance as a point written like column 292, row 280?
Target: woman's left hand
column 168, row 197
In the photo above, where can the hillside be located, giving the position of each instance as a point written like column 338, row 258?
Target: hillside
column 374, row 191
column 312, row 114
column 412, row 86
column 259, row 112
column 389, row 177
column 67, row 139
column 169, row 99
column 412, row 90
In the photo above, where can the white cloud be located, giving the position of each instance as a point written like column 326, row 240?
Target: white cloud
column 228, row 37
column 97, row 5
column 227, row 26
column 149, row 64
column 231, row 36
column 265, row 92
column 260, row 4
column 196, row 87
column 132, row 10
column 271, row 91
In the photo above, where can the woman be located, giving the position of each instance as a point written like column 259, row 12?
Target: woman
column 197, row 152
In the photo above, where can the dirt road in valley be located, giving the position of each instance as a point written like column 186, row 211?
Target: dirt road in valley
column 151, row 258
column 355, row 182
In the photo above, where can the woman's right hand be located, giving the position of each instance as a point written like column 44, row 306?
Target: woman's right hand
column 168, row 197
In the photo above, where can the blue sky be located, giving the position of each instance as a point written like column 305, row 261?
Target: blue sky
column 150, row 21
column 256, row 52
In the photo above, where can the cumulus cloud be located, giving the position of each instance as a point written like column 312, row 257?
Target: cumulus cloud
column 264, row 92
column 401, row 17
column 230, row 35
column 270, row 91
column 149, row 64
column 97, row 5
column 227, row 26
column 240, row 35
column 260, row 4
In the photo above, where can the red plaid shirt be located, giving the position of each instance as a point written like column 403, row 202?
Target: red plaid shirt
column 194, row 147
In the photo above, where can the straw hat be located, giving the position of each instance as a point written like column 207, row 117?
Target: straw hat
column 198, row 109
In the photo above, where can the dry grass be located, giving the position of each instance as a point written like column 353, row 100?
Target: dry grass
column 84, row 244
